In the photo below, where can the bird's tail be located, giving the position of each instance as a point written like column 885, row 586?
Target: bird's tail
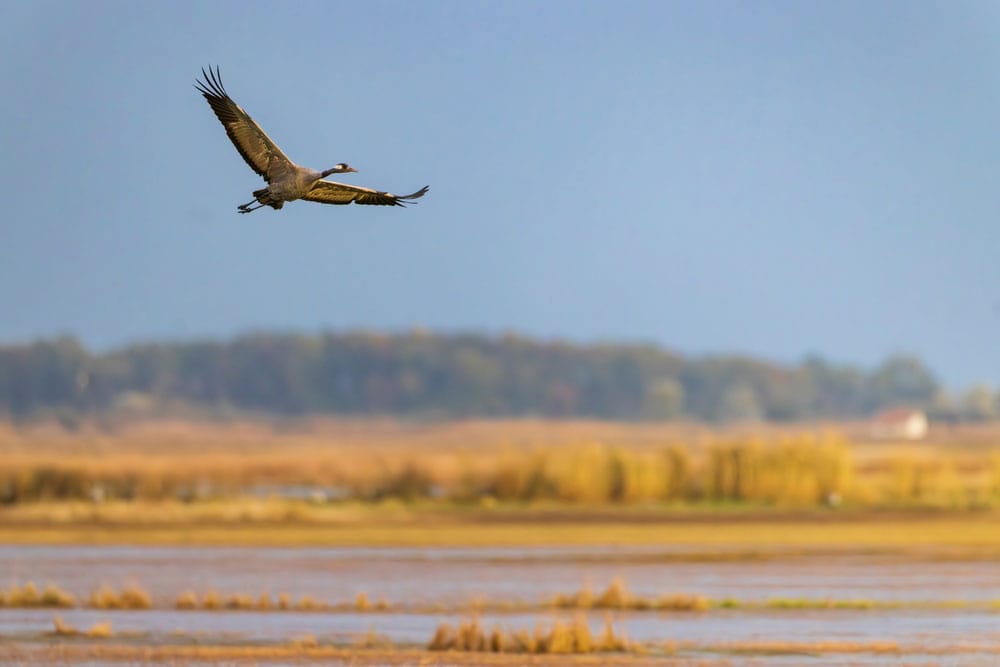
column 263, row 196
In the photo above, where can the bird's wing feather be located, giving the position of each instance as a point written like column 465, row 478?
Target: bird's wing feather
column 262, row 154
column 329, row 192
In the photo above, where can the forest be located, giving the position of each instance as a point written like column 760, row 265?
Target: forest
column 443, row 376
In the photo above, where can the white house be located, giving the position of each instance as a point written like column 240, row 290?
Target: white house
column 900, row 423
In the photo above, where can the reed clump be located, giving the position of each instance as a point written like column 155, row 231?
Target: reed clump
column 63, row 629
column 29, row 595
column 560, row 638
column 186, row 601
column 131, row 596
column 826, row 603
column 362, row 603
column 309, row 603
column 212, row 600
column 100, row 630
column 796, row 470
column 53, row 596
column 682, row 602
column 373, row 640
column 582, row 599
column 806, row 648
column 610, row 640
column 240, row 602
column 618, row 597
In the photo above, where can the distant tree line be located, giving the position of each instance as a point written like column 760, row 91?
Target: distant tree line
column 444, row 376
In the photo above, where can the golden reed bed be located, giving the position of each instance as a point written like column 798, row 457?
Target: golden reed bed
column 588, row 464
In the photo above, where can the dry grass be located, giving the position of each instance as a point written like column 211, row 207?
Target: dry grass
column 500, row 483
column 805, row 648
column 724, row 654
column 617, row 596
column 53, row 596
column 110, row 653
column 240, row 602
column 561, row 638
column 729, row 535
column 576, row 463
column 131, row 597
column 62, row 628
column 309, row 603
column 187, row 600
column 362, row 603
column 101, row 630
column 28, row 595
column 373, row 640
column 212, row 600
column 806, row 603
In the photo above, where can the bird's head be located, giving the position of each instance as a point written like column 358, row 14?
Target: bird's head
column 339, row 168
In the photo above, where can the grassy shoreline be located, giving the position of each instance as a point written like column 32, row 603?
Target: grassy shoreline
column 750, row 532
column 665, row 653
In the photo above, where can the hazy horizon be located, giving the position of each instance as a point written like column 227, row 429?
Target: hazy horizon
column 772, row 179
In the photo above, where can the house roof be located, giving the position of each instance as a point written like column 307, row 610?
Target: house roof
column 896, row 415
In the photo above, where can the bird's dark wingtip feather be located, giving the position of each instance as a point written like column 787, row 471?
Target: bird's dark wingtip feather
column 415, row 195
column 217, row 80
column 211, row 83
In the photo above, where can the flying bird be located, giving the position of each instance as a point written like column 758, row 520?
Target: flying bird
column 286, row 181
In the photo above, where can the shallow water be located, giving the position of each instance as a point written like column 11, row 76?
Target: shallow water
column 456, row 576
column 930, row 629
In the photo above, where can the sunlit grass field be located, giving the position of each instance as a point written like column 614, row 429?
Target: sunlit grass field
column 730, row 534
column 743, row 489
column 627, row 497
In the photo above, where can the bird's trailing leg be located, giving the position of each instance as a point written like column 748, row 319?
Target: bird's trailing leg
column 249, row 207
column 246, row 208
column 261, row 198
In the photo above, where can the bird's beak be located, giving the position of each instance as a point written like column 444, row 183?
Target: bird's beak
column 349, row 169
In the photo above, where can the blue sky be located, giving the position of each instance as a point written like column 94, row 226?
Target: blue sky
column 771, row 178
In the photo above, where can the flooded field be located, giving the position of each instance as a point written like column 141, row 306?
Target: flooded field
column 460, row 575
column 854, row 605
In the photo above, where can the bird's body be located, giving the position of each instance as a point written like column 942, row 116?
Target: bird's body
column 286, row 181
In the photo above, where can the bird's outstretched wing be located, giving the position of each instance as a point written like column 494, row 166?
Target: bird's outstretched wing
column 328, row 192
column 262, row 154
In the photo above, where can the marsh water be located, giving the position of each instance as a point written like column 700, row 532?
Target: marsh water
column 430, row 586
